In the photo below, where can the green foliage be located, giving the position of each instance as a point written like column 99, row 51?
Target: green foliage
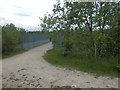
column 102, row 66
column 91, row 36
column 115, row 39
column 0, row 41
column 56, row 37
column 88, row 28
column 118, row 67
column 102, row 41
column 13, row 53
column 68, row 43
column 83, row 42
column 10, row 37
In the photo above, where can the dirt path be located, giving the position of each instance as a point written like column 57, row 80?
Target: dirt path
column 30, row 70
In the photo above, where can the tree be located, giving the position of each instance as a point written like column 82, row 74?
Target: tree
column 88, row 25
column 10, row 37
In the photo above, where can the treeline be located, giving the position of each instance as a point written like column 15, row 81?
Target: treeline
column 89, row 28
column 11, row 37
column 0, row 41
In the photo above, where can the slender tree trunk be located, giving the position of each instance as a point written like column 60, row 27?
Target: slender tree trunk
column 90, row 28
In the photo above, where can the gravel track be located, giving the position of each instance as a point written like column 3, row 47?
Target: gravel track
column 30, row 70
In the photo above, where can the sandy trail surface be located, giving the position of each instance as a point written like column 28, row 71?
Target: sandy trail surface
column 30, row 70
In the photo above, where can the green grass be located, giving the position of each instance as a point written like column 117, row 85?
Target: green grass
column 99, row 66
column 13, row 53
column 0, row 57
column 18, row 51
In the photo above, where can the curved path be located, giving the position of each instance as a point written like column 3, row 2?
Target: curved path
column 30, row 70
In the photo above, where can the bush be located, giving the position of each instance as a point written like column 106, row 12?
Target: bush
column 10, row 37
column 118, row 67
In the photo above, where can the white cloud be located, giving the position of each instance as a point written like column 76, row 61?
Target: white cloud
column 25, row 12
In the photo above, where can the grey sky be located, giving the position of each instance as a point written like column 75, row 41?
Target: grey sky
column 24, row 12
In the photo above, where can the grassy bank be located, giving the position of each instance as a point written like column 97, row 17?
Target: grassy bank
column 18, row 51
column 97, row 66
column 13, row 53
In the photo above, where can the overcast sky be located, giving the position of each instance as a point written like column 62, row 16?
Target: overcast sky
column 24, row 12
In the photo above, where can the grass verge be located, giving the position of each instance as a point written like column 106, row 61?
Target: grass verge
column 13, row 53
column 99, row 66
column 18, row 51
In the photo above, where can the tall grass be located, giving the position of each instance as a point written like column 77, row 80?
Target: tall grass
column 99, row 66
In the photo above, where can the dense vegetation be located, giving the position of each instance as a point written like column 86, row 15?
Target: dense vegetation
column 101, row 66
column 90, row 30
column 0, row 42
column 11, row 39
